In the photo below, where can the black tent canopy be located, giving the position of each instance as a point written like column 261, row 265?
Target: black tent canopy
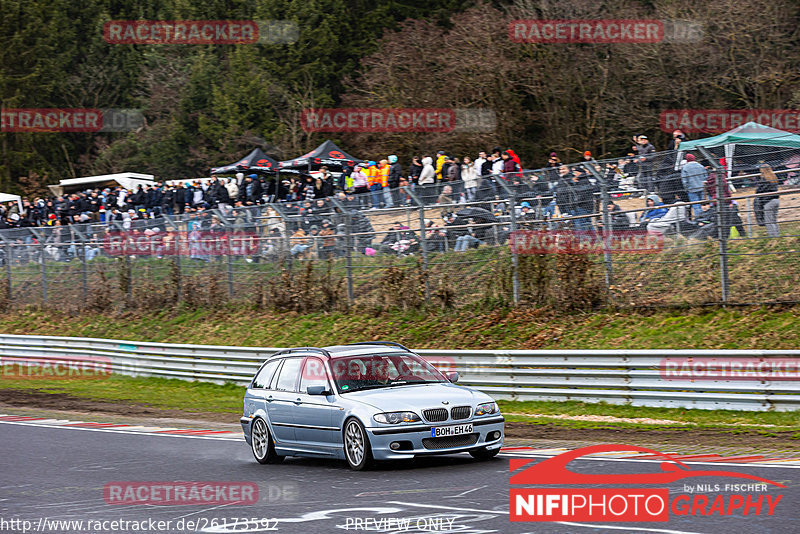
column 327, row 154
column 255, row 161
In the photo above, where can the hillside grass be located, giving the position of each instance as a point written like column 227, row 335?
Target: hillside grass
column 703, row 328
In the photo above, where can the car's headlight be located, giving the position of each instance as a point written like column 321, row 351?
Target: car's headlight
column 487, row 408
column 393, row 418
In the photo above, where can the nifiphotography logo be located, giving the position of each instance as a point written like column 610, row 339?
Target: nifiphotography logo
column 628, row 497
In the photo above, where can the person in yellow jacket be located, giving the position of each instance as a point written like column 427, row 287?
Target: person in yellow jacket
column 440, row 157
column 383, row 172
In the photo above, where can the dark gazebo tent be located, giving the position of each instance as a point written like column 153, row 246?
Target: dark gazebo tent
column 255, row 161
column 327, row 154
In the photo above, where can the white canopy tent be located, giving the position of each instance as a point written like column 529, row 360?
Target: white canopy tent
column 6, row 197
column 128, row 180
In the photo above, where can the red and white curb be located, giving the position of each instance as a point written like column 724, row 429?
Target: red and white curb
column 121, row 428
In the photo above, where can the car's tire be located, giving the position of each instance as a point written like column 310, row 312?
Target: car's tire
column 357, row 450
column 484, row 453
column 261, row 443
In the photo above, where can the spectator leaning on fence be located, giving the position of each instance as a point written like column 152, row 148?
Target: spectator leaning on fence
column 766, row 207
column 693, row 177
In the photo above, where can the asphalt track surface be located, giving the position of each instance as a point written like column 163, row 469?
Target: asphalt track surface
column 52, row 474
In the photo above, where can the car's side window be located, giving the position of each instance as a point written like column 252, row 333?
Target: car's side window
column 287, row 381
column 314, row 374
column 264, row 376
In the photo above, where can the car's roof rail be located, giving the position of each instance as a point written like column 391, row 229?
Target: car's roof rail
column 303, row 349
column 387, row 343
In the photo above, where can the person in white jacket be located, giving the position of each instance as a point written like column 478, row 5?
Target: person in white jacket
column 233, row 190
column 470, row 178
column 427, row 175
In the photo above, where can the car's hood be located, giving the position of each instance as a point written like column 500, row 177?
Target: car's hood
column 419, row 397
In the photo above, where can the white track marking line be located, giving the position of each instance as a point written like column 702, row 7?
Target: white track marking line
column 464, row 493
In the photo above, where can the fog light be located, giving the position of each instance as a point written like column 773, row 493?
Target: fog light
column 494, row 435
column 394, row 446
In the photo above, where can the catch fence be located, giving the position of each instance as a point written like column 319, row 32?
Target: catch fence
column 344, row 250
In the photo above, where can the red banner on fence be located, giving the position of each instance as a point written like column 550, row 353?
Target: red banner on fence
column 196, row 243
column 584, row 242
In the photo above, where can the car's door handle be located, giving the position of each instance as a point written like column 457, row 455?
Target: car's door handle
column 269, row 399
column 298, row 401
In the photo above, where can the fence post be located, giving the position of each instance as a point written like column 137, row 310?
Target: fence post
column 84, row 271
column 230, row 263
column 749, row 217
column 604, row 198
column 9, row 256
column 512, row 203
column 423, row 243
column 722, row 219
column 42, row 261
column 348, row 226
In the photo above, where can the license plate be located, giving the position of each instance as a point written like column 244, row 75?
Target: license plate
column 455, row 430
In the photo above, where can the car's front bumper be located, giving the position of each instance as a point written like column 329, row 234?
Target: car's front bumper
column 411, row 437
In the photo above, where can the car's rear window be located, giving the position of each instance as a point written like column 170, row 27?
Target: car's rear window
column 287, row 381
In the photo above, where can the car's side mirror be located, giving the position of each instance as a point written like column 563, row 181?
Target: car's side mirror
column 452, row 377
column 317, row 390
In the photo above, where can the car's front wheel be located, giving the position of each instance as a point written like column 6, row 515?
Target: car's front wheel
column 484, row 453
column 357, row 449
column 261, row 443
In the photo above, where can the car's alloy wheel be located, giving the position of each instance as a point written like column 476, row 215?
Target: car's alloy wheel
column 484, row 453
column 261, row 441
column 356, row 445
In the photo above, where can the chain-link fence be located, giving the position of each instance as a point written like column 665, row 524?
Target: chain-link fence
column 631, row 232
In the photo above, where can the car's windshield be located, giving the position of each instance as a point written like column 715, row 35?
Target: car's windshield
column 370, row 371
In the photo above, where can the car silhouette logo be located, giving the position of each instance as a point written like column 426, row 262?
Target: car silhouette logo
column 554, row 470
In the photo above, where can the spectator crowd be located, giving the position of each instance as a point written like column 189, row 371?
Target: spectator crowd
column 315, row 208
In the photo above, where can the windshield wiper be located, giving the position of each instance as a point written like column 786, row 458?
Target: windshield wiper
column 370, row 386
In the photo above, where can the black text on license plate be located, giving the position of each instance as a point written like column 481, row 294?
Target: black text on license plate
column 455, row 430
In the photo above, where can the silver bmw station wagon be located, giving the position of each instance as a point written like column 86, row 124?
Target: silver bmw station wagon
column 364, row 402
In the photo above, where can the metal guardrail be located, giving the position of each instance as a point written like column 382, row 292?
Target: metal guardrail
column 614, row 376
